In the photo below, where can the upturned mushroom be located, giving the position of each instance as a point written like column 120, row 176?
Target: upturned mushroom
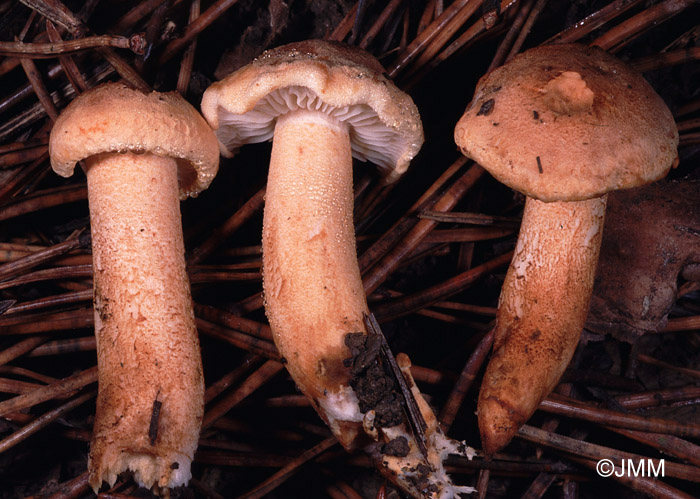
column 649, row 246
column 564, row 125
column 142, row 153
column 323, row 103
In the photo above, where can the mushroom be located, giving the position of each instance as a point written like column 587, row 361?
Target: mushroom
column 141, row 152
column 324, row 103
column 650, row 240
column 564, row 125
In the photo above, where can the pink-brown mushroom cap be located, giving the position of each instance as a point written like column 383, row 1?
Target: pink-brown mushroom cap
column 116, row 118
column 346, row 82
column 568, row 122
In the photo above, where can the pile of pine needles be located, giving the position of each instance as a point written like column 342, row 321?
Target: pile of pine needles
column 433, row 249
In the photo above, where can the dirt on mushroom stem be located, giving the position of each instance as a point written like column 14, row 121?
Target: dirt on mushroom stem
column 316, row 304
column 313, row 290
column 374, row 387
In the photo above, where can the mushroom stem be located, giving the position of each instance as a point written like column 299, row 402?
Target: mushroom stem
column 314, row 298
column 150, row 400
column 313, row 290
column 542, row 310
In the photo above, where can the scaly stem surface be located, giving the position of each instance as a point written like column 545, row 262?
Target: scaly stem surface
column 314, row 297
column 150, row 400
column 313, row 291
column 542, row 310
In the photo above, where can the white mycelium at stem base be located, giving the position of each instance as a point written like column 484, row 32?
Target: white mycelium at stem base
column 313, row 290
column 149, row 406
column 541, row 312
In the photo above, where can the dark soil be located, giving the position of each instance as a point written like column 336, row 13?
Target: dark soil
column 375, row 388
column 420, row 478
column 397, row 447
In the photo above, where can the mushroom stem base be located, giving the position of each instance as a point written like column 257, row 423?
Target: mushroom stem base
column 150, row 396
column 542, row 309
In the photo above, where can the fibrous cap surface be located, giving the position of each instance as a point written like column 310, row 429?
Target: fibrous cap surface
column 568, row 122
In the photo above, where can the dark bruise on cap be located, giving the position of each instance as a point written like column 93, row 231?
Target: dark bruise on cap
column 568, row 122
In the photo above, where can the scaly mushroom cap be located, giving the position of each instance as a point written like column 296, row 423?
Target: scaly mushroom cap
column 568, row 122
column 340, row 80
column 116, row 118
